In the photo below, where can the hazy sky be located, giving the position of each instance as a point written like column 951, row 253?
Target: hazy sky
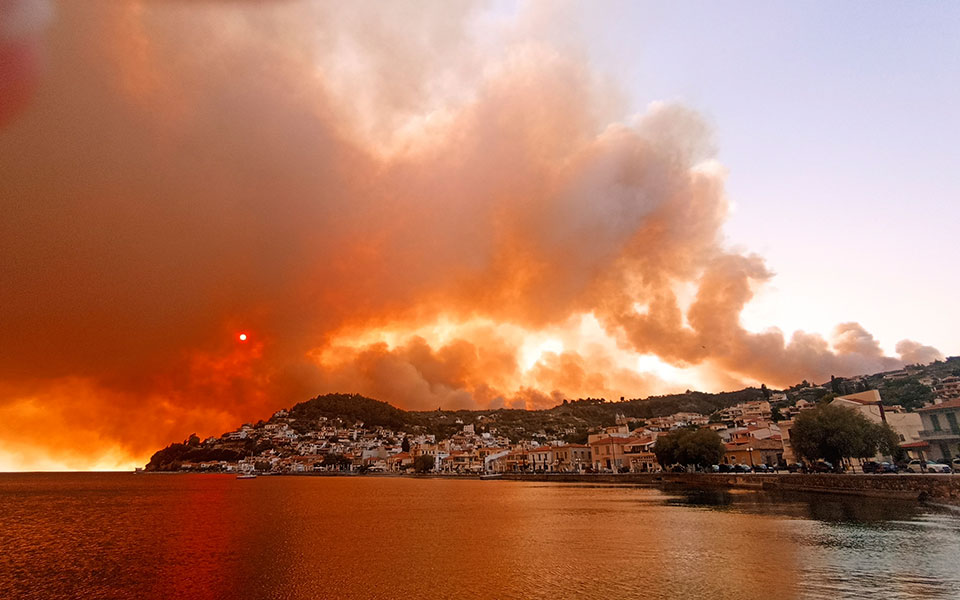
column 455, row 204
column 839, row 124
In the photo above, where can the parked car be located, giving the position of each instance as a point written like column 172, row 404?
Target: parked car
column 761, row 468
column 872, row 466
column 724, row 468
column 741, row 469
column 928, row 466
column 822, row 466
column 796, row 467
column 955, row 463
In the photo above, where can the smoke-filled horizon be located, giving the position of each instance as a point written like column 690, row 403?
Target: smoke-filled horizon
column 421, row 203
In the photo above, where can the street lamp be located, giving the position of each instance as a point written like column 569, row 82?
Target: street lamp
column 750, row 450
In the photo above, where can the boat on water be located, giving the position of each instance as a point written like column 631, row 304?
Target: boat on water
column 491, row 476
column 246, row 476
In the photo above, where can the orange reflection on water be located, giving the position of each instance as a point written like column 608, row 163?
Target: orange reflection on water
column 205, row 537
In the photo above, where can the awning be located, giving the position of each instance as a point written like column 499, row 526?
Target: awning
column 920, row 444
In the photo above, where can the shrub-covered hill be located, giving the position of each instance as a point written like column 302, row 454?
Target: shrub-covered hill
column 351, row 408
column 570, row 420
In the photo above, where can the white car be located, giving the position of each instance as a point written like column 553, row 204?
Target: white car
column 933, row 467
column 917, row 466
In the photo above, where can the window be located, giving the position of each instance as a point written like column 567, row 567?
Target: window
column 936, row 422
column 952, row 420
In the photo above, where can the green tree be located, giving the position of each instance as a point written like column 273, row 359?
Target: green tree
column 169, row 458
column 405, row 444
column 888, row 442
column 336, row 460
column 424, row 463
column 666, row 449
column 826, row 398
column 701, row 447
column 908, row 392
column 775, row 414
column 834, row 433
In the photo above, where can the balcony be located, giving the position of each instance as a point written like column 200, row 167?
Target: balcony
column 939, row 434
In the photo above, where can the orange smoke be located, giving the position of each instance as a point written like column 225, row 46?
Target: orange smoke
column 386, row 201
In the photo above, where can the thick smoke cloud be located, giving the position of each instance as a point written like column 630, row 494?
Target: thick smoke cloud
column 913, row 353
column 391, row 199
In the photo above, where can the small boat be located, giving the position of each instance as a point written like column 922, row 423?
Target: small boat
column 246, row 476
column 491, row 476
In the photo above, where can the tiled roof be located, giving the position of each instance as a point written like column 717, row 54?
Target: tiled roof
column 764, row 444
column 614, row 440
column 955, row 403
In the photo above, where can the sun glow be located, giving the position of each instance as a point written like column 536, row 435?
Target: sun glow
column 531, row 354
column 650, row 363
column 242, row 337
column 568, row 353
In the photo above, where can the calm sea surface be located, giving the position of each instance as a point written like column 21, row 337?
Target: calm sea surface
column 209, row 536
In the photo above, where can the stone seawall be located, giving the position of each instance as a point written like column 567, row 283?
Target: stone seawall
column 925, row 487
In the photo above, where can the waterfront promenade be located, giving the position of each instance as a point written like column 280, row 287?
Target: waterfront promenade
column 926, row 487
column 933, row 488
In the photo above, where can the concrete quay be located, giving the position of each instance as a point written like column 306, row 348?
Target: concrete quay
column 926, row 487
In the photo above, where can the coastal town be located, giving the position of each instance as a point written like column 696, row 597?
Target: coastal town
column 755, row 436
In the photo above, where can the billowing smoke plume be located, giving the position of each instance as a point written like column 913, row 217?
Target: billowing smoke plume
column 418, row 202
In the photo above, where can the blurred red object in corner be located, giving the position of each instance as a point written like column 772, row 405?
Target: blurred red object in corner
column 21, row 28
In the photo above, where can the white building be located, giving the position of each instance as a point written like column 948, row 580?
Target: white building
column 869, row 404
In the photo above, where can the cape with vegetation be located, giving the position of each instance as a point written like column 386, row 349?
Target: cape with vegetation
column 571, row 420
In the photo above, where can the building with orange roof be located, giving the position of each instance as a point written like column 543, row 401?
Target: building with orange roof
column 400, row 462
column 463, row 461
column 640, row 456
column 572, row 458
column 541, row 459
column 513, row 461
column 947, row 389
column 609, row 454
column 751, row 451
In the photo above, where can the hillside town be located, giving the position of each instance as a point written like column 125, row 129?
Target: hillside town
column 755, row 436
